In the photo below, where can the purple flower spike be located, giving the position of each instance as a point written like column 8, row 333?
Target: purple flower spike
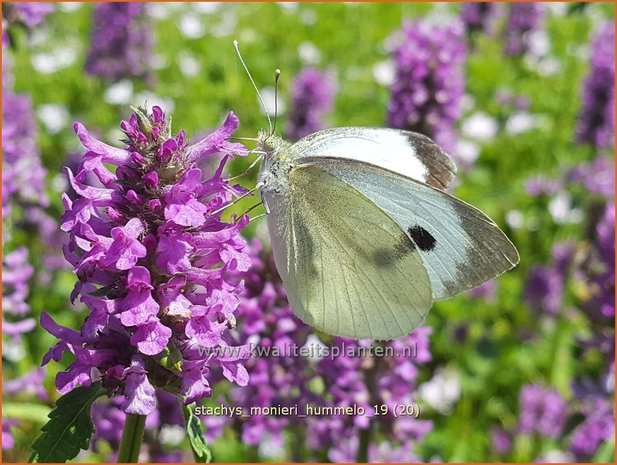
column 23, row 174
column 596, row 123
column 523, row 18
column 152, row 256
column 479, row 16
column 313, row 94
column 430, row 83
column 121, row 42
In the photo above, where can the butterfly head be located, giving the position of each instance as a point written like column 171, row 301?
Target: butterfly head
column 271, row 144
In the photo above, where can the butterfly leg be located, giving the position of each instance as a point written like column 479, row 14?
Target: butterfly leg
column 265, row 204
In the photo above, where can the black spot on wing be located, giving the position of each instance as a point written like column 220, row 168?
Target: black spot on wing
column 386, row 258
column 422, row 238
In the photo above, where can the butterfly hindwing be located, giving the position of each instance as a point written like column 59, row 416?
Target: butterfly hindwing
column 348, row 268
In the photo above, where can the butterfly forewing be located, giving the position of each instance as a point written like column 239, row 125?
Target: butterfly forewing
column 408, row 153
column 460, row 246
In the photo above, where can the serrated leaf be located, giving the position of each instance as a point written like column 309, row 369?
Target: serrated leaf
column 198, row 442
column 69, row 428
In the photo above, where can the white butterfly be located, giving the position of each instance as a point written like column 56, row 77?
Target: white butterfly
column 363, row 234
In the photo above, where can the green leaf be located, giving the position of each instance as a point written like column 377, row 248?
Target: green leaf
column 198, row 442
column 69, row 428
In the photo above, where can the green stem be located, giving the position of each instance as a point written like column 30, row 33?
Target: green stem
column 299, row 438
column 132, row 437
column 365, row 442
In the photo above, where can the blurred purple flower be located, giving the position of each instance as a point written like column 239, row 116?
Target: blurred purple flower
column 542, row 411
column 486, row 291
column 8, row 442
column 544, row 289
column 430, row 82
column 30, row 383
column 312, row 95
column 22, row 171
column 387, row 452
column 121, row 42
column 158, row 455
column 597, row 176
column 266, row 321
column 33, row 13
column 544, row 286
column 27, row 14
column 600, row 274
column 596, row 123
column 384, row 452
column 479, row 16
column 523, row 18
column 541, row 185
column 501, row 441
column 108, row 419
column 353, row 380
column 598, row 426
column 508, row 98
column 23, row 174
column 16, row 274
column 152, row 254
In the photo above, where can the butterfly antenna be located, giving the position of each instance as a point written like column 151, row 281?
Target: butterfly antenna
column 261, row 100
column 277, row 75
